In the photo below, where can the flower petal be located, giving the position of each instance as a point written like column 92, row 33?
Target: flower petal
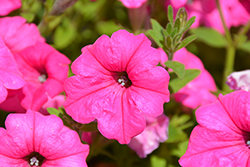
column 215, row 148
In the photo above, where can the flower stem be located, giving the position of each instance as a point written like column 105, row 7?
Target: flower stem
column 227, row 33
column 230, row 51
column 229, row 66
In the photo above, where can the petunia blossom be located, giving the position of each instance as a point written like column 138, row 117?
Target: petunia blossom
column 234, row 12
column 156, row 131
column 6, row 6
column 197, row 92
column 44, row 69
column 222, row 136
column 133, row 3
column 32, row 139
column 239, row 80
column 10, row 77
column 117, row 83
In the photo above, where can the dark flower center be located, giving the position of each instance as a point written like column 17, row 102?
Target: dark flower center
column 124, row 80
column 246, row 137
column 42, row 78
column 35, row 159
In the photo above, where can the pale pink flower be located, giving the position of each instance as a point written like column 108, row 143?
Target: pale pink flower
column 44, row 69
column 118, row 83
column 197, row 92
column 10, row 77
column 6, row 6
column 234, row 11
column 239, row 80
column 32, row 139
column 156, row 131
column 132, row 3
column 222, row 138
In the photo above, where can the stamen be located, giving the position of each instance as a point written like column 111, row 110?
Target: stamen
column 248, row 143
column 123, row 80
column 34, row 161
column 42, row 78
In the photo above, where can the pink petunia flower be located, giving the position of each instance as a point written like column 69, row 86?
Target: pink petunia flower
column 118, row 83
column 197, row 92
column 156, row 131
column 132, row 3
column 32, row 139
column 10, row 77
column 234, row 12
column 6, row 6
column 44, row 69
column 222, row 138
column 239, row 80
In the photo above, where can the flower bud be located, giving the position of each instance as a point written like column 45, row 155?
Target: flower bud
column 61, row 5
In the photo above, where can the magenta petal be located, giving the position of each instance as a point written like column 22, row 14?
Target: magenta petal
column 115, row 54
column 126, row 121
column 238, row 101
column 213, row 121
column 9, row 74
column 133, row 3
column 6, row 6
column 3, row 93
column 55, row 141
column 17, row 140
column 18, row 35
column 13, row 162
column 215, row 148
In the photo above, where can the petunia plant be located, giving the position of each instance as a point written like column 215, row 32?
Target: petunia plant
column 118, row 83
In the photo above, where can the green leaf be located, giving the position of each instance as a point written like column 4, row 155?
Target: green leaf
column 174, row 32
column 182, row 147
column 189, row 23
column 177, row 24
column 245, row 46
column 176, row 84
column 156, row 26
column 175, row 134
column 169, row 28
column 53, row 111
column 158, row 38
column 64, row 34
column 170, row 14
column 210, row 37
column 28, row 16
column 186, row 41
column 177, row 67
column 157, row 161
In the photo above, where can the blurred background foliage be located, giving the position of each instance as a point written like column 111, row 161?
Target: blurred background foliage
column 85, row 21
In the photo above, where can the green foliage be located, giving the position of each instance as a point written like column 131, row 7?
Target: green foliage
column 245, row 46
column 171, row 39
column 158, row 162
column 210, row 36
column 177, row 67
column 176, row 84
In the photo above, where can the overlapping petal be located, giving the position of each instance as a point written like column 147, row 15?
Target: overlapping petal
column 18, row 35
column 6, row 6
column 10, row 77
